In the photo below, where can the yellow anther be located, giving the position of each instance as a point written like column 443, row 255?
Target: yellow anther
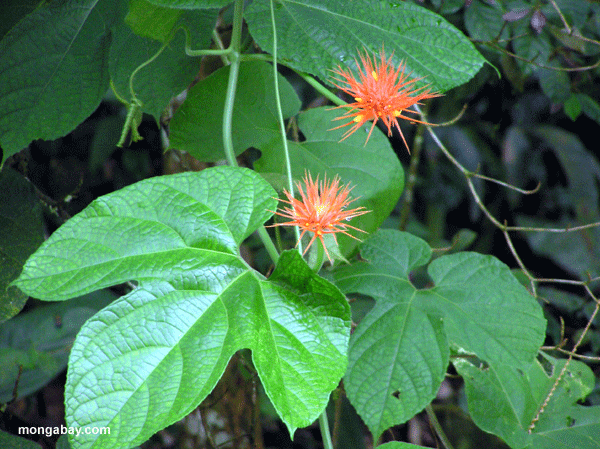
column 358, row 99
column 397, row 113
column 374, row 75
column 358, row 118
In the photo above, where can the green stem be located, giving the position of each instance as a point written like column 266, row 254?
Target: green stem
column 437, row 427
column 322, row 89
column 324, row 426
column 234, row 68
column 145, row 63
column 286, row 153
column 221, row 51
column 316, row 257
column 269, row 245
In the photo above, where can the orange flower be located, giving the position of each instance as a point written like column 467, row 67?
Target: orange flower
column 382, row 93
column 321, row 210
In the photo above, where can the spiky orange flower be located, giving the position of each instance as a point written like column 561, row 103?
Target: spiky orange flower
column 382, row 93
column 321, row 210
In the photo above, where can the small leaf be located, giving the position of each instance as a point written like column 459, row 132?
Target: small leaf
column 197, row 125
column 332, row 33
column 572, row 107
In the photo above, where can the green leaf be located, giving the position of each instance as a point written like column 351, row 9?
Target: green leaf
column 8, row 441
column 572, row 107
column 316, row 36
column 40, row 341
column 191, row 4
column 397, row 445
column 168, row 75
column 589, row 106
column 573, row 155
column 373, row 169
column 21, row 233
column 484, row 21
column 555, row 84
column 399, row 352
column 148, row 20
column 152, row 356
column 53, row 70
column 12, row 11
column 518, row 396
column 577, row 252
column 156, row 22
column 197, row 125
column 531, row 47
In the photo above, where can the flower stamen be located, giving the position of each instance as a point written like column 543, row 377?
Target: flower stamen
column 383, row 97
column 320, row 210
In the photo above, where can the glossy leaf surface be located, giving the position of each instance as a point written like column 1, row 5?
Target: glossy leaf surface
column 152, row 356
column 315, row 36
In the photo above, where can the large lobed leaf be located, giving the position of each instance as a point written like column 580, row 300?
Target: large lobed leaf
column 316, row 35
column 152, row 356
column 399, row 352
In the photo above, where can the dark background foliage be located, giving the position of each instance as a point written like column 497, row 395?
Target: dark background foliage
column 531, row 119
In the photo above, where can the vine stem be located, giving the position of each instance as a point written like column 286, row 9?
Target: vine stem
column 234, row 70
column 323, row 422
column 324, row 426
column 233, row 53
column 286, row 153
column 437, row 427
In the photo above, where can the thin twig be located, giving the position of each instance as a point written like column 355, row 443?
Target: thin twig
column 564, row 368
column 437, row 427
column 564, row 21
column 578, row 356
